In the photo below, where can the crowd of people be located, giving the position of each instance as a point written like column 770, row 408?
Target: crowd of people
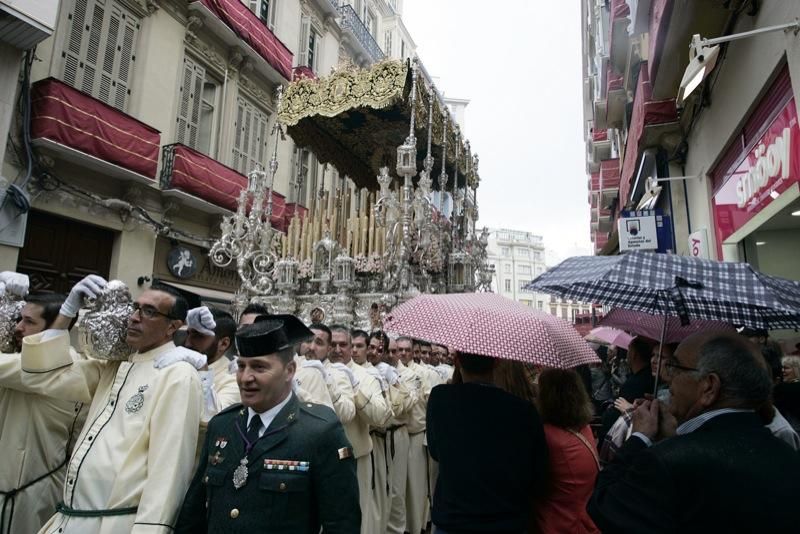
column 261, row 423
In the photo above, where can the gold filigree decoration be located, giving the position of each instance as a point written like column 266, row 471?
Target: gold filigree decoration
column 355, row 119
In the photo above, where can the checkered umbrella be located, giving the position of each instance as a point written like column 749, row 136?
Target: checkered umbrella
column 491, row 325
column 679, row 286
column 650, row 326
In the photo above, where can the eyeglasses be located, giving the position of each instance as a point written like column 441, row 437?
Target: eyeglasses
column 672, row 368
column 149, row 312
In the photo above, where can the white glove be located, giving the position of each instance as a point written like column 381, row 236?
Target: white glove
column 91, row 286
column 210, row 401
column 378, row 376
column 388, row 372
column 180, row 354
column 316, row 364
column 15, row 283
column 200, row 319
column 349, row 372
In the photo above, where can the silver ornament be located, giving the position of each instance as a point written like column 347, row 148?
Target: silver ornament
column 10, row 309
column 104, row 327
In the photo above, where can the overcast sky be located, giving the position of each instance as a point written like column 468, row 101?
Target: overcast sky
column 519, row 64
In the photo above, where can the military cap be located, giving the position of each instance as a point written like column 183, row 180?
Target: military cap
column 270, row 334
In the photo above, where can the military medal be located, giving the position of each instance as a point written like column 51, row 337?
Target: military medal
column 240, row 474
column 136, row 401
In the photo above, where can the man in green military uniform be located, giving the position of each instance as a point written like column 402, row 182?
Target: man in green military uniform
column 272, row 464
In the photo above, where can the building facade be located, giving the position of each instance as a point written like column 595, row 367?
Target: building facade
column 518, row 257
column 143, row 118
column 714, row 167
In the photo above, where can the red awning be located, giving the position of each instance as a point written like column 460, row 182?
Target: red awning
column 254, row 32
column 594, row 181
column 615, row 80
column 72, row 118
column 609, row 173
column 293, row 209
column 645, row 112
column 660, row 12
column 619, row 9
column 300, row 72
column 210, row 180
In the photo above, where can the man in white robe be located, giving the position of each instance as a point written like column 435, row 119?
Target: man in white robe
column 133, row 460
column 36, row 432
column 371, row 410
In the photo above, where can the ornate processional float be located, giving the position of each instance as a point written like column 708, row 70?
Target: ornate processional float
column 359, row 250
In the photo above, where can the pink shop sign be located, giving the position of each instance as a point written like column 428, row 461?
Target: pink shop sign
column 768, row 170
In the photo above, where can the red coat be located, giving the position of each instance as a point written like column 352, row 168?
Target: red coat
column 573, row 471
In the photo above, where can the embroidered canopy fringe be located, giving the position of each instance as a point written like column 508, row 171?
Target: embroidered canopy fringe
column 356, row 118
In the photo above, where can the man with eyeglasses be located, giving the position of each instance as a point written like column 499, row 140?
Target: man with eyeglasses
column 133, row 460
column 707, row 464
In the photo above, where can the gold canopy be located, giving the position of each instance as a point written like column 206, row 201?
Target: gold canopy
column 356, row 118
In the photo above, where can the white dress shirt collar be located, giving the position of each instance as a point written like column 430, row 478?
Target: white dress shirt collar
column 269, row 415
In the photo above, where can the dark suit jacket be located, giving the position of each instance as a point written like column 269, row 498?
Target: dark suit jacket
column 635, row 387
column 729, row 475
column 275, row 500
column 492, row 455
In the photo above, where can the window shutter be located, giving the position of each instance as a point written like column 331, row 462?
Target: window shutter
column 99, row 50
column 237, row 139
column 191, row 93
column 260, row 138
column 305, row 28
column 250, row 140
column 125, row 59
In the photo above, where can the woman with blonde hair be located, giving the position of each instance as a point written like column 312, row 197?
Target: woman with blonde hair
column 791, row 368
column 566, row 410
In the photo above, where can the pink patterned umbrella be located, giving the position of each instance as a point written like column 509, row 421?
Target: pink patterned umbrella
column 492, row 325
column 644, row 324
column 610, row 336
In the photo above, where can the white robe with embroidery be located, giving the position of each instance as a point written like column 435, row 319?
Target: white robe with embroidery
column 137, row 447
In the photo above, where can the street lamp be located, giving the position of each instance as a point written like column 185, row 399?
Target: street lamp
column 703, row 55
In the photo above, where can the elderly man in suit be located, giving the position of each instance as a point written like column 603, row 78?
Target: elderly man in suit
column 707, row 465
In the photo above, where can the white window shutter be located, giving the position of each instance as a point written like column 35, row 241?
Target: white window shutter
column 190, row 97
column 126, row 57
column 99, row 50
column 237, row 139
column 250, row 140
column 305, row 28
column 260, row 138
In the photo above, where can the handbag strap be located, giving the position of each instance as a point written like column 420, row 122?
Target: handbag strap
column 590, row 447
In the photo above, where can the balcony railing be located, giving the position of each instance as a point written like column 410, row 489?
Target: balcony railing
column 75, row 125
column 186, row 170
column 351, row 21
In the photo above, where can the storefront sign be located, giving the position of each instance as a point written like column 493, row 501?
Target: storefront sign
column 637, row 231
column 698, row 244
column 766, row 171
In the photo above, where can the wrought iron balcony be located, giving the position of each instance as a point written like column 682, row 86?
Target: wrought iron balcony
column 351, row 21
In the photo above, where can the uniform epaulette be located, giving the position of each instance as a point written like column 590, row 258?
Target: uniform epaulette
column 320, row 411
column 232, row 408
